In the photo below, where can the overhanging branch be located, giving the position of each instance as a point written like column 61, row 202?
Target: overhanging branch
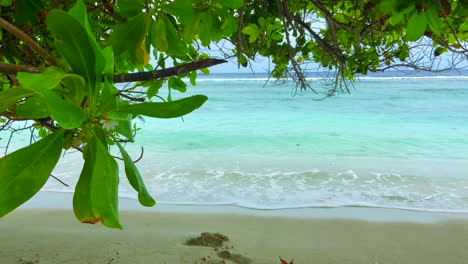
column 128, row 77
column 164, row 73
column 12, row 29
column 15, row 68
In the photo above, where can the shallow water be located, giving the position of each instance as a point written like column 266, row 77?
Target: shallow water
column 392, row 142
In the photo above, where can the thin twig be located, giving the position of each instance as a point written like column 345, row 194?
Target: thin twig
column 27, row 39
column 141, row 155
column 131, row 98
column 59, row 180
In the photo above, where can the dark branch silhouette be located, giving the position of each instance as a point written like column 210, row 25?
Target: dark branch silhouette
column 164, row 73
column 129, row 77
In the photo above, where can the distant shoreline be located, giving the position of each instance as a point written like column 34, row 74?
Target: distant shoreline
column 320, row 75
column 359, row 78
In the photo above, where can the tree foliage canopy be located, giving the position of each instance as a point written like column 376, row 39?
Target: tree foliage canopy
column 61, row 60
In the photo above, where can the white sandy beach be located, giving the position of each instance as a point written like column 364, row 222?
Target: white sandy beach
column 45, row 231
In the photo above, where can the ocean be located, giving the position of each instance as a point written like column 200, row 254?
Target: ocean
column 393, row 142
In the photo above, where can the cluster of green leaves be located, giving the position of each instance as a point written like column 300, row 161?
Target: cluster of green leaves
column 350, row 36
column 79, row 104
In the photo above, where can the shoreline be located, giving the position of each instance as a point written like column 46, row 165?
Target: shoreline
column 45, row 200
column 45, row 231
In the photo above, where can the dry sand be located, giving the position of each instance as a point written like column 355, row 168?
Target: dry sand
column 55, row 236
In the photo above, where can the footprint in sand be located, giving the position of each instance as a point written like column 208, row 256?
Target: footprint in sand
column 29, row 260
column 207, row 239
column 219, row 243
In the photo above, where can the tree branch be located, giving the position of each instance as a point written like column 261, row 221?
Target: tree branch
column 164, row 73
column 128, row 77
column 15, row 68
column 330, row 50
column 285, row 19
column 27, row 39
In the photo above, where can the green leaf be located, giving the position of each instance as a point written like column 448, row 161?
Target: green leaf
column 193, row 78
column 185, row 13
column 134, row 177
column 68, row 116
column 398, row 16
column 158, row 32
column 124, row 124
column 206, row 31
column 153, row 88
column 177, row 83
column 49, row 79
column 205, row 71
column 171, row 109
column 142, row 56
column 242, row 59
column 108, row 53
column 434, row 21
column 233, row 4
column 6, row 2
column 73, row 42
column 251, row 29
column 73, row 86
column 108, row 101
column 182, row 9
column 26, row 11
column 82, row 197
column 129, row 8
column 230, row 25
column 416, row 26
column 78, row 48
column 33, row 108
column 439, row 51
column 25, row 171
column 191, row 28
column 104, row 185
column 79, row 12
column 176, row 46
column 73, row 89
column 11, row 96
column 95, row 197
column 128, row 40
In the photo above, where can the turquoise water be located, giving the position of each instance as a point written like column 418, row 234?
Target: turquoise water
column 410, row 118
column 392, row 142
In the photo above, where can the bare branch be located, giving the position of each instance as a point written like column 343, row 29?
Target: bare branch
column 129, row 77
column 27, row 39
column 286, row 17
column 332, row 52
column 15, row 68
column 164, row 73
